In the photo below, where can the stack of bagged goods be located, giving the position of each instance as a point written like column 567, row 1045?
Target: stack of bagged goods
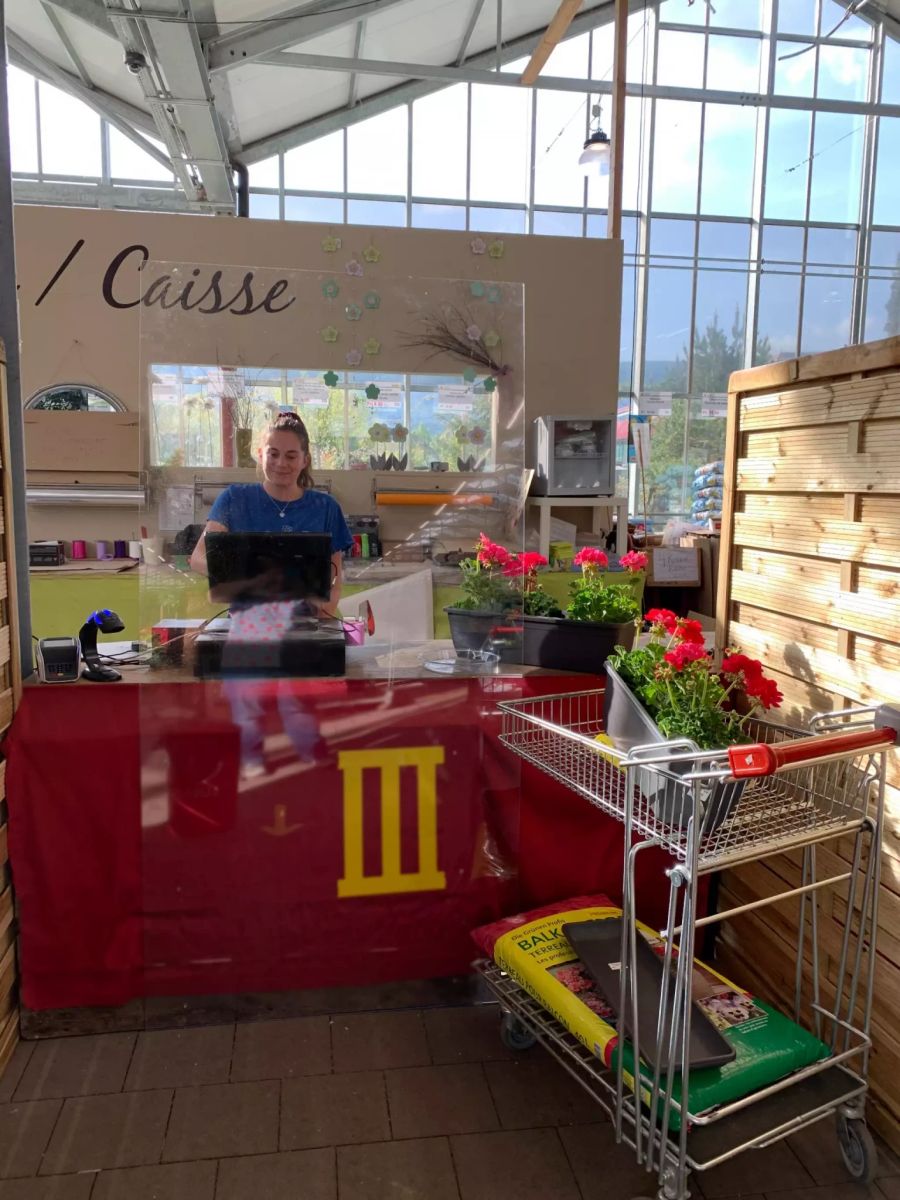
column 707, row 491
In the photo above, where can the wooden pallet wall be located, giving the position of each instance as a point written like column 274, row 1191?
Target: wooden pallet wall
column 10, row 683
column 810, row 584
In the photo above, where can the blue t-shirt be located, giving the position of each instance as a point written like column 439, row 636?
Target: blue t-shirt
column 248, row 508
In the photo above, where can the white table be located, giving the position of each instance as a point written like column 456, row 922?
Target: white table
column 598, row 504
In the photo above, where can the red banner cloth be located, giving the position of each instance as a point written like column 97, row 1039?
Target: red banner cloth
column 144, row 866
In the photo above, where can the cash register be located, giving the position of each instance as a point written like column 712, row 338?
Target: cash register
column 247, row 569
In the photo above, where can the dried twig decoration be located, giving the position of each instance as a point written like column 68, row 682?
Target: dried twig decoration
column 456, row 332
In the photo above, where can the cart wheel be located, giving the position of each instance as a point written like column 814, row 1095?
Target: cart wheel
column 857, row 1148
column 515, row 1035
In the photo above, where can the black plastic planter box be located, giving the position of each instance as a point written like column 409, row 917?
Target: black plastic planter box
column 565, row 645
column 471, row 629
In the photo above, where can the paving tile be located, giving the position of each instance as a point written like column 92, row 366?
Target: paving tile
column 181, row 1058
column 282, row 1049
column 223, row 1119
column 15, row 1068
column 605, row 1171
column 775, row 1169
column 537, row 1091
column 333, row 1110
column 176, row 1181
column 469, row 1034
column 513, row 1166
column 411, row 1170
column 57, row 1187
column 888, row 1186
column 379, row 1041
column 25, row 1130
column 826, row 1191
column 430, row 1101
column 77, row 1066
column 300, row 1175
column 93, row 1132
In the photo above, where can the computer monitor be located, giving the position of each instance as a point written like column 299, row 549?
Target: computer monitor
column 257, row 567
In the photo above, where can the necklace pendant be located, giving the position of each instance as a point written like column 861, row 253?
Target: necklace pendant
column 281, row 513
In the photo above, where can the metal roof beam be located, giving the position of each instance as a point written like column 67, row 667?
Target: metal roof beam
column 353, row 91
column 92, row 12
column 63, row 36
column 252, row 41
column 470, row 29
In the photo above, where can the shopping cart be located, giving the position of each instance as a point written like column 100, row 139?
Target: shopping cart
column 787, row 791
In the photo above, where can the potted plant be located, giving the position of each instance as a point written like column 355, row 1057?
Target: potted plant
column 239, row 397
column 669, row 689
column 489, row 614
column 599, row 617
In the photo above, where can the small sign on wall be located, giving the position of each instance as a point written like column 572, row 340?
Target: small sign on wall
column 674, row 566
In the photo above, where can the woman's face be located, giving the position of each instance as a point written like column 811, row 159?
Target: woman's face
column 282, row 457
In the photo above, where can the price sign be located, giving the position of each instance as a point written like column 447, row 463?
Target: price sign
column 312, row 393
column 713, row 405
column 454, row 400
column 655, row 404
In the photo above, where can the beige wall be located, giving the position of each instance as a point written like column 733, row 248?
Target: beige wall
column 562, row 349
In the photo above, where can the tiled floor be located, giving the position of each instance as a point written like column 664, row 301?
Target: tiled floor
column 364, row 1106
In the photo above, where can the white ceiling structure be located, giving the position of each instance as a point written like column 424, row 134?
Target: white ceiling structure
column 225, row 82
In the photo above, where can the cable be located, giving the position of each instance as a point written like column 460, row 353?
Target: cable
column 852, row 10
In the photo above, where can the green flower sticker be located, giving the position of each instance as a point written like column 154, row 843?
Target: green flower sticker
column 331, row 244
column 373, row 391
column 330, row 334
column 469, row 375
column 352, row 312
column 490, row 384
column 493, row 294
column 372, row 254
column 331, row 378
column 491, row 339
column 496, row 248
column 372, row 346
column 330, row 289
column 477, row 289
column 371, row 300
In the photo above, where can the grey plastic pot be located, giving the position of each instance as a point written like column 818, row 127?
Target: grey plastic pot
column 472, row 629
column 562, row 644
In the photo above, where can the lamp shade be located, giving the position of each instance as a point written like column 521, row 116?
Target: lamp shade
column 596, row 153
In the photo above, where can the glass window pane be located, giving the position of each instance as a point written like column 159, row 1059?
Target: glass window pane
column 826, row 313
column 558, row 224
column 676, row 156
column 264, row 206
column 597, row 225
column 725, row 240
column 497, row 220
column 843, row 73
column 128, row 161
column 729, row 158
column 22, row 120
column 836, row 167
column 626, row 328
column 559, row 131
column 680, row 58
column 795, row 69
column 797, row 16
column 890, row 80
column 668, row 329
column 439, row 144
column 317, row 166
column 786, row 164
column 376, row 212
column 719, row 322
column 887, row 171
column 736, row 14
column 850, row 27
column 669, row 236
column 684, row 12
column 313, row 208
column 777, row 316
column 884, row 249
column 732, row 64
column 883, row 307
column 499, row 164
column 836, row 247
column 637, row 114
column 265, row 174
column 569, row 59
column 377, row 154
column 439, row 216
column 70, row 135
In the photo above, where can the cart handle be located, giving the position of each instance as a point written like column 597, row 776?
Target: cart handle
column 746, row 762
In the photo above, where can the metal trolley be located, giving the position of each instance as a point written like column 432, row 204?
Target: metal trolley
column 790, row 790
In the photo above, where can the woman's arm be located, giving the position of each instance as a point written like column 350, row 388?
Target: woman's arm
column 198, row 555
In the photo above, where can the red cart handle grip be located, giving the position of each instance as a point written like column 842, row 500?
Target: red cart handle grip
column 763, row 759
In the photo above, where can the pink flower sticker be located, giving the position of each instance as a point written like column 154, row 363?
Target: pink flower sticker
column 473, row 333
column 354, row 358
column 478, row 245
column 354, row 267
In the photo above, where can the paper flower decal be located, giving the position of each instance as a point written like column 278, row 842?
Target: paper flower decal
column 489, row 385
column 478, row 245
column 372, row 347
column 352, row 312
column 491, row 339
column 469, row 375
column 330, row 334
column 477, row 435
column 493, row 294
column 373, row 391
column 372, row 254
column 473, row 333
column 477, row 289
column 495, row 249
column 354, row 267
column 330, row 289
column 331, row 378
column 331, row 244
column 371, row 300
column 354, row 358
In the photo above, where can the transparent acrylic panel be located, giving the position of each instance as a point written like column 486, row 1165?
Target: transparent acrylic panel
column 322, row 800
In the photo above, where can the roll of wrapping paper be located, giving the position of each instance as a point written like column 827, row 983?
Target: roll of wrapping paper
column 120, row 548
column 430, row 498
column 103, row 549
column 79, row 548
column 134, row 549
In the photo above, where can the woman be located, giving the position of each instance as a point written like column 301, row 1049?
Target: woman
column 284, row 502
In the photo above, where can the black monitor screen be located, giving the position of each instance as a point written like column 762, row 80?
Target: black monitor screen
column 269, row 566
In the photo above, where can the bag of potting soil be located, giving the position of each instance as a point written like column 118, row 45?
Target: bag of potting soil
column 533, row 951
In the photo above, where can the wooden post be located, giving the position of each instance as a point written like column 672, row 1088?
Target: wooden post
column 617, row 149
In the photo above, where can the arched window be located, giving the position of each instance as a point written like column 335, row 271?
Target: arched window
column 74, row 397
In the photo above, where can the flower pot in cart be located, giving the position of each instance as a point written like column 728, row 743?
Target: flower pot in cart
column 243, row 448
column 473, row 629
column 562, row 644
column 628, row 724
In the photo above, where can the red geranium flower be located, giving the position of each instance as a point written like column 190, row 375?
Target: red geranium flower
column 740, row 664
column 663, row 617
column 523, row 564
column 766, row 691
column 591, row 556
column 491, row 554
column 686, row 652
column 633, row 561
column 689, row 631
